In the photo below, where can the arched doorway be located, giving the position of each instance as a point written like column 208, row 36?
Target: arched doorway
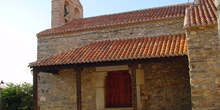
column 118, row 89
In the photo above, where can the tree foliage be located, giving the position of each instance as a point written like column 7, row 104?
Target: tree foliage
column 17, row 96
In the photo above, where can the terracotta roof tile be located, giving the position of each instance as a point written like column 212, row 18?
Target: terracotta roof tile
column 122, row 49
column 203, row 13
column 120, row 18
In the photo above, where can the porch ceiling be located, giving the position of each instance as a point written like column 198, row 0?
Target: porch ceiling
column 121, row 49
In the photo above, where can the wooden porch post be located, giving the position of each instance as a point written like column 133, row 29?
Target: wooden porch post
column 133, row 68
column 78, row 71
column 35, row 90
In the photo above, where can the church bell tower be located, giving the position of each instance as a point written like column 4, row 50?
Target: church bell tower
column 64, row 11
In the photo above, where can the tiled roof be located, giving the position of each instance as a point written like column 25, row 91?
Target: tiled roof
column 121, row 49
column 203, row 13
column 119, row 19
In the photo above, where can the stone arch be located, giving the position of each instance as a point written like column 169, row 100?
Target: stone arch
column 76, row 13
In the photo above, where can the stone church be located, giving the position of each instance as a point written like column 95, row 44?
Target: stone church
column 163, row 58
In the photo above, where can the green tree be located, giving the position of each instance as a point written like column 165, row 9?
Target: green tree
column 17, row 96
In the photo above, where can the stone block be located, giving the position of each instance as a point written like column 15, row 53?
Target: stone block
column 201, row 80
column 207, row 93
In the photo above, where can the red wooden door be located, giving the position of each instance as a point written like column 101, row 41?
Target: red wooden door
column 118, row 89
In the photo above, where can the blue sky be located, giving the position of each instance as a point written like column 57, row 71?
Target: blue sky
column 21, row 20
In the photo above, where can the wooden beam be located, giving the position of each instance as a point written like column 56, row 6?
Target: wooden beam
column 78, row 71
column 133, row 68
column 111, row 63
column 35, row 89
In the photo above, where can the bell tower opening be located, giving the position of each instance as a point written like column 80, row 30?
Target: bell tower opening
column 64, row 11
column 76, row 13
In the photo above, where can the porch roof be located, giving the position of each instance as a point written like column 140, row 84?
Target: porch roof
column 121, row 49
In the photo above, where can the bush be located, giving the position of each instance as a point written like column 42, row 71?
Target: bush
column 17, row 96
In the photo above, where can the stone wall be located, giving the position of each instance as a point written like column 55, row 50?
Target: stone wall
column 166, row 86
column 88, row 89
column 58, row 91
column 204, row 60
column 53, row 45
